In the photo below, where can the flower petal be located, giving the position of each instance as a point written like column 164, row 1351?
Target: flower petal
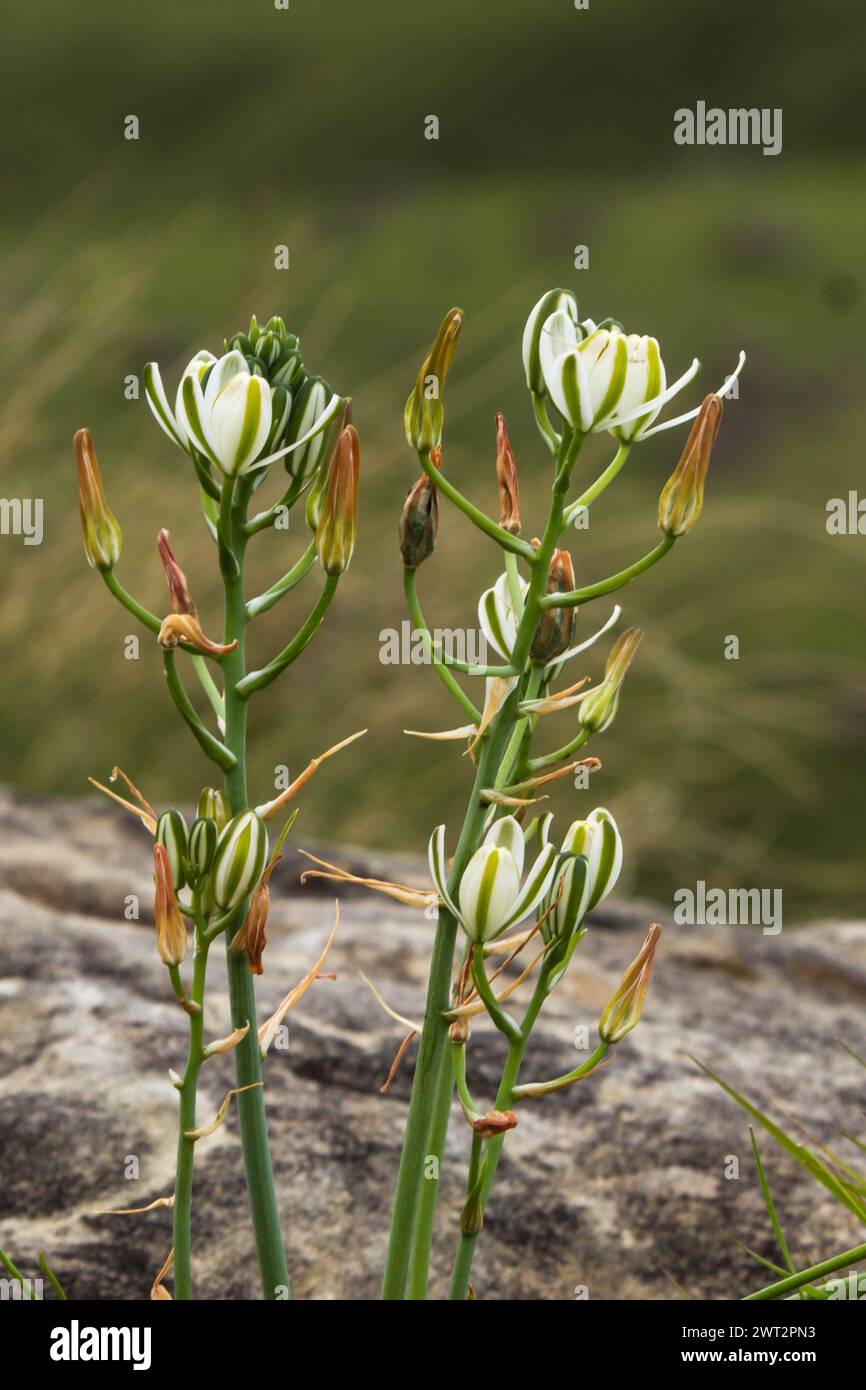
column 438, row 868
column 159, row 406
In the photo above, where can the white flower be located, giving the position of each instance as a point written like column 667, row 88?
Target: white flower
column 222, row 411
column 494, row 894
column 587, row 878
column 601, row 378
column 498, row 622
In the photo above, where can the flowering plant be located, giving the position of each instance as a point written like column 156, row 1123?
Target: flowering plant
column 234, row 417
column 509, row 886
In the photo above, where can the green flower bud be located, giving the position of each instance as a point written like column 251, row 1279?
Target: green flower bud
column 270, row 351
column 171, row 832
column 424, row 415
column 212, row 805
column 598, row 710
column 201, row 848
column 240, row 857
column 308, row 404
column 103, row 537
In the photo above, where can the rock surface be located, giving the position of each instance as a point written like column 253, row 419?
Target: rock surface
column 618, row 1184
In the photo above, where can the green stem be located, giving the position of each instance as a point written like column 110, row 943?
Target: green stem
column 439, row 667
column 560, row 755
column 466, row 1245
column 419, row 1267
column 211, row 745
column 248, row 1062
column 542, row 420
column 432, row 1070
column 512, row 752
column 144, row 615
column 475, row 515
column 597, row 488
column 504, row 1022
column 608, row 586
column 182, row 1212
column 210, row 687
column 543, row 1088
column 257, row 680
column 266, row 601
column 469, row 1239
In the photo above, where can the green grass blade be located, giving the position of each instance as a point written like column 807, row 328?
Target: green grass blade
column 819, row 1171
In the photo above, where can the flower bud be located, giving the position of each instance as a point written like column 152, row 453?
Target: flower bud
column 488, row 890
column 201, row 847
column 171, row 832
column 170, row 929
column 226, row 412
column 178, row 589
column 682, row 497
column 599, row 708
column 251, row 939
column 335, row 532
column 506, row 476
column 419, row 523
column 212, row 805
column 551, row 303
column 103, row 538
column 240, row 857
column 622, row 1011
column 556, row 626
column 424, row 415
column 307, row 406
column 494, row 892
column 271, row 351
column 592, row 851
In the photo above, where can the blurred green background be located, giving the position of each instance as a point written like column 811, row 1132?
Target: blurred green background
column 305, row 126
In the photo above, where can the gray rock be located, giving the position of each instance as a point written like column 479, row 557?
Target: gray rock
column 617, row 1184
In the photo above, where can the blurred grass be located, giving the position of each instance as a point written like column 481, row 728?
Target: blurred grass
column 305, row 128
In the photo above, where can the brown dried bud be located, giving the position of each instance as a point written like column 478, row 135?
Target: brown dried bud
column 493, row 1123
column 183, row 627
column 622, row 1011
column 338, row 521
column 555, row 630
column 506, row 476
column 419, row 522
column 251, row 939
column 170, row 928
column 460, row 1031
column 178, row 589
column 682, row 497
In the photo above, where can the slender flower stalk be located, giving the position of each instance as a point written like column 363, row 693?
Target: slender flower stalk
column 233, row 416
